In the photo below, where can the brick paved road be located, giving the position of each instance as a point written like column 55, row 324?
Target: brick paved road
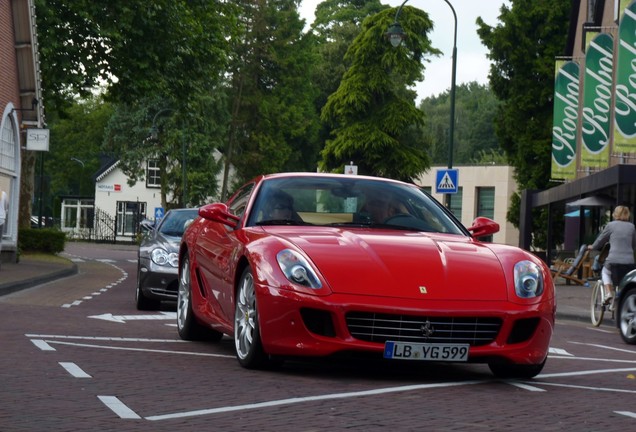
column 63, row 369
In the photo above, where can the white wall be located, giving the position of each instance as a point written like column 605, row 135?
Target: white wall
column 113, row 186
column 469, row 179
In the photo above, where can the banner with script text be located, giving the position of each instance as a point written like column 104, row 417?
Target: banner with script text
column 565, row 120
column 597, row 102
column 625, row 102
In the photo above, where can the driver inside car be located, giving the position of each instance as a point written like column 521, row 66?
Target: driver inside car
column 280, row 207
column 381, row 209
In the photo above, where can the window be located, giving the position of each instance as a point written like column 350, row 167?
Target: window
column 237, row 206
column 153, row 174
column 129, row 214
column 456, row 203
column 486, row 205
column 8, row 147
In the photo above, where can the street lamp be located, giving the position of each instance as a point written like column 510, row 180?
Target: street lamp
column 81, row 162
column 396, row 35
column 154, row 135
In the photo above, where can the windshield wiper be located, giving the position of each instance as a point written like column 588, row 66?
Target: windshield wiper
column 282, row 222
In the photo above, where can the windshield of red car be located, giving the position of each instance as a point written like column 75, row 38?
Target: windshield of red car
column 349, row 201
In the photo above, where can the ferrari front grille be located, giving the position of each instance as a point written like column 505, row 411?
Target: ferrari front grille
column 374, row 327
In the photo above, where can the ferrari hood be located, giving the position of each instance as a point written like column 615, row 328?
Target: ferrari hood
column 404, row 264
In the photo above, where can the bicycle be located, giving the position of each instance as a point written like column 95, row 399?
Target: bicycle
column 622, row 306
column 599, row 303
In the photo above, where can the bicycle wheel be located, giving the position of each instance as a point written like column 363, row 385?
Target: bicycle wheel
column 597, row 307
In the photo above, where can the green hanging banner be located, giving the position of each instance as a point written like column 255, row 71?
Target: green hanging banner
column 565, row 120
column 625, row 102
column 597, row 102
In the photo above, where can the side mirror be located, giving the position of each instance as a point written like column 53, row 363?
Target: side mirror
column 219, row 212
column 483, row 226
column 146, row 225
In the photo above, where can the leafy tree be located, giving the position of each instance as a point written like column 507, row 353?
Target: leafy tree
column 475, row 112
column 371, row 110
column 148, row 56
column 522, row 48
column 274, row 122
column 336, row 25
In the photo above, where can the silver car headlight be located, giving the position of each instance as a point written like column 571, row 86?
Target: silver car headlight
column 528, row 279
column 297, row 269
column 161, row 257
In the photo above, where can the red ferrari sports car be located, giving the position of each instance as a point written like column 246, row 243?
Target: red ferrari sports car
column 306, row 264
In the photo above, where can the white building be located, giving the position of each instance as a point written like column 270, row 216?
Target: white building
column 118, row 208
column 483, row 190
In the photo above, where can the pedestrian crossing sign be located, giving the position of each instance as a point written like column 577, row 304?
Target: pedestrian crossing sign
column 446, row 181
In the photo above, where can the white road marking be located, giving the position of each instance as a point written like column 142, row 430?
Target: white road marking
column 102, row 338
column 42, row 345
column 631, row 351
column 526, row 386
column 123, row 318
column 558, row 351
column 118, row 407
column 626, row 413
column 74, row 370
column 298, row 400
column 142, row 350
column 581, row 373
column 611, row 390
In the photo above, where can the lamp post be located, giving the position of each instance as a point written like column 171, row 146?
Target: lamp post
column 154, row 134
column 81, row 162
column 396, row 35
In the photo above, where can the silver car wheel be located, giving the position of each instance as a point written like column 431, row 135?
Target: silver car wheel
column 245, row 320
column 183, row 297
column 628, row 318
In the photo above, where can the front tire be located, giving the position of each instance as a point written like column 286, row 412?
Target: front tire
column 144, row 303
column 247, row 337
column 518, row 371
column 597, row 308
column 627, row 317
column 187, row 324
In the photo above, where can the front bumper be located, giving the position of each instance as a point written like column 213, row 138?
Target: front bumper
column 297, row 324
column 158, row 282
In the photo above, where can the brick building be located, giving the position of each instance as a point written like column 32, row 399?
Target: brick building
column 20, row 106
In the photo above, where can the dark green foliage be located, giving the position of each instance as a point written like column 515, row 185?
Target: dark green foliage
column 45, row 240
column 371, row 114
column 523, row 48
column 475, row 111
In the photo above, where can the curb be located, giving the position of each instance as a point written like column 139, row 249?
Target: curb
column 12, row 287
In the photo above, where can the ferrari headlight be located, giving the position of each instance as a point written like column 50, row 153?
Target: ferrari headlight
column 297, row 269
column 161, row 257
column 528, row 279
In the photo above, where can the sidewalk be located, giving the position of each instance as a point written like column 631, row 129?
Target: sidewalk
column 573, row 301
column 33, row 270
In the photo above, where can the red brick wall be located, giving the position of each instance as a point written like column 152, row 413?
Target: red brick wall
column 9, row 90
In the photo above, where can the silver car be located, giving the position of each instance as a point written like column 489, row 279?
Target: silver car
column 158, row 260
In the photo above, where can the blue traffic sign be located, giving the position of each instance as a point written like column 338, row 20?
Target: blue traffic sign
column 158, row 213
column 446, row 181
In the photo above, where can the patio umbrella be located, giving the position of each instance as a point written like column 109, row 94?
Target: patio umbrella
column 593, row 201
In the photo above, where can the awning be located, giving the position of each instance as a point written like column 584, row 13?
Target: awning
column 594, row 201
column 577, row 213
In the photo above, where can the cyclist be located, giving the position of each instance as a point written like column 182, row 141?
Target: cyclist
column 621, row 236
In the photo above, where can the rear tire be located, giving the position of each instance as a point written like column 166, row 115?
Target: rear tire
column 187, row 324
column 627, row 317
column 507, row 370
column 597, row 308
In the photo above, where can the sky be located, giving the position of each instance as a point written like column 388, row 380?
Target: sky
column 472, row 63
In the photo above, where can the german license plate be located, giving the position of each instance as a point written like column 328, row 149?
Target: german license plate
column 426, row 351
